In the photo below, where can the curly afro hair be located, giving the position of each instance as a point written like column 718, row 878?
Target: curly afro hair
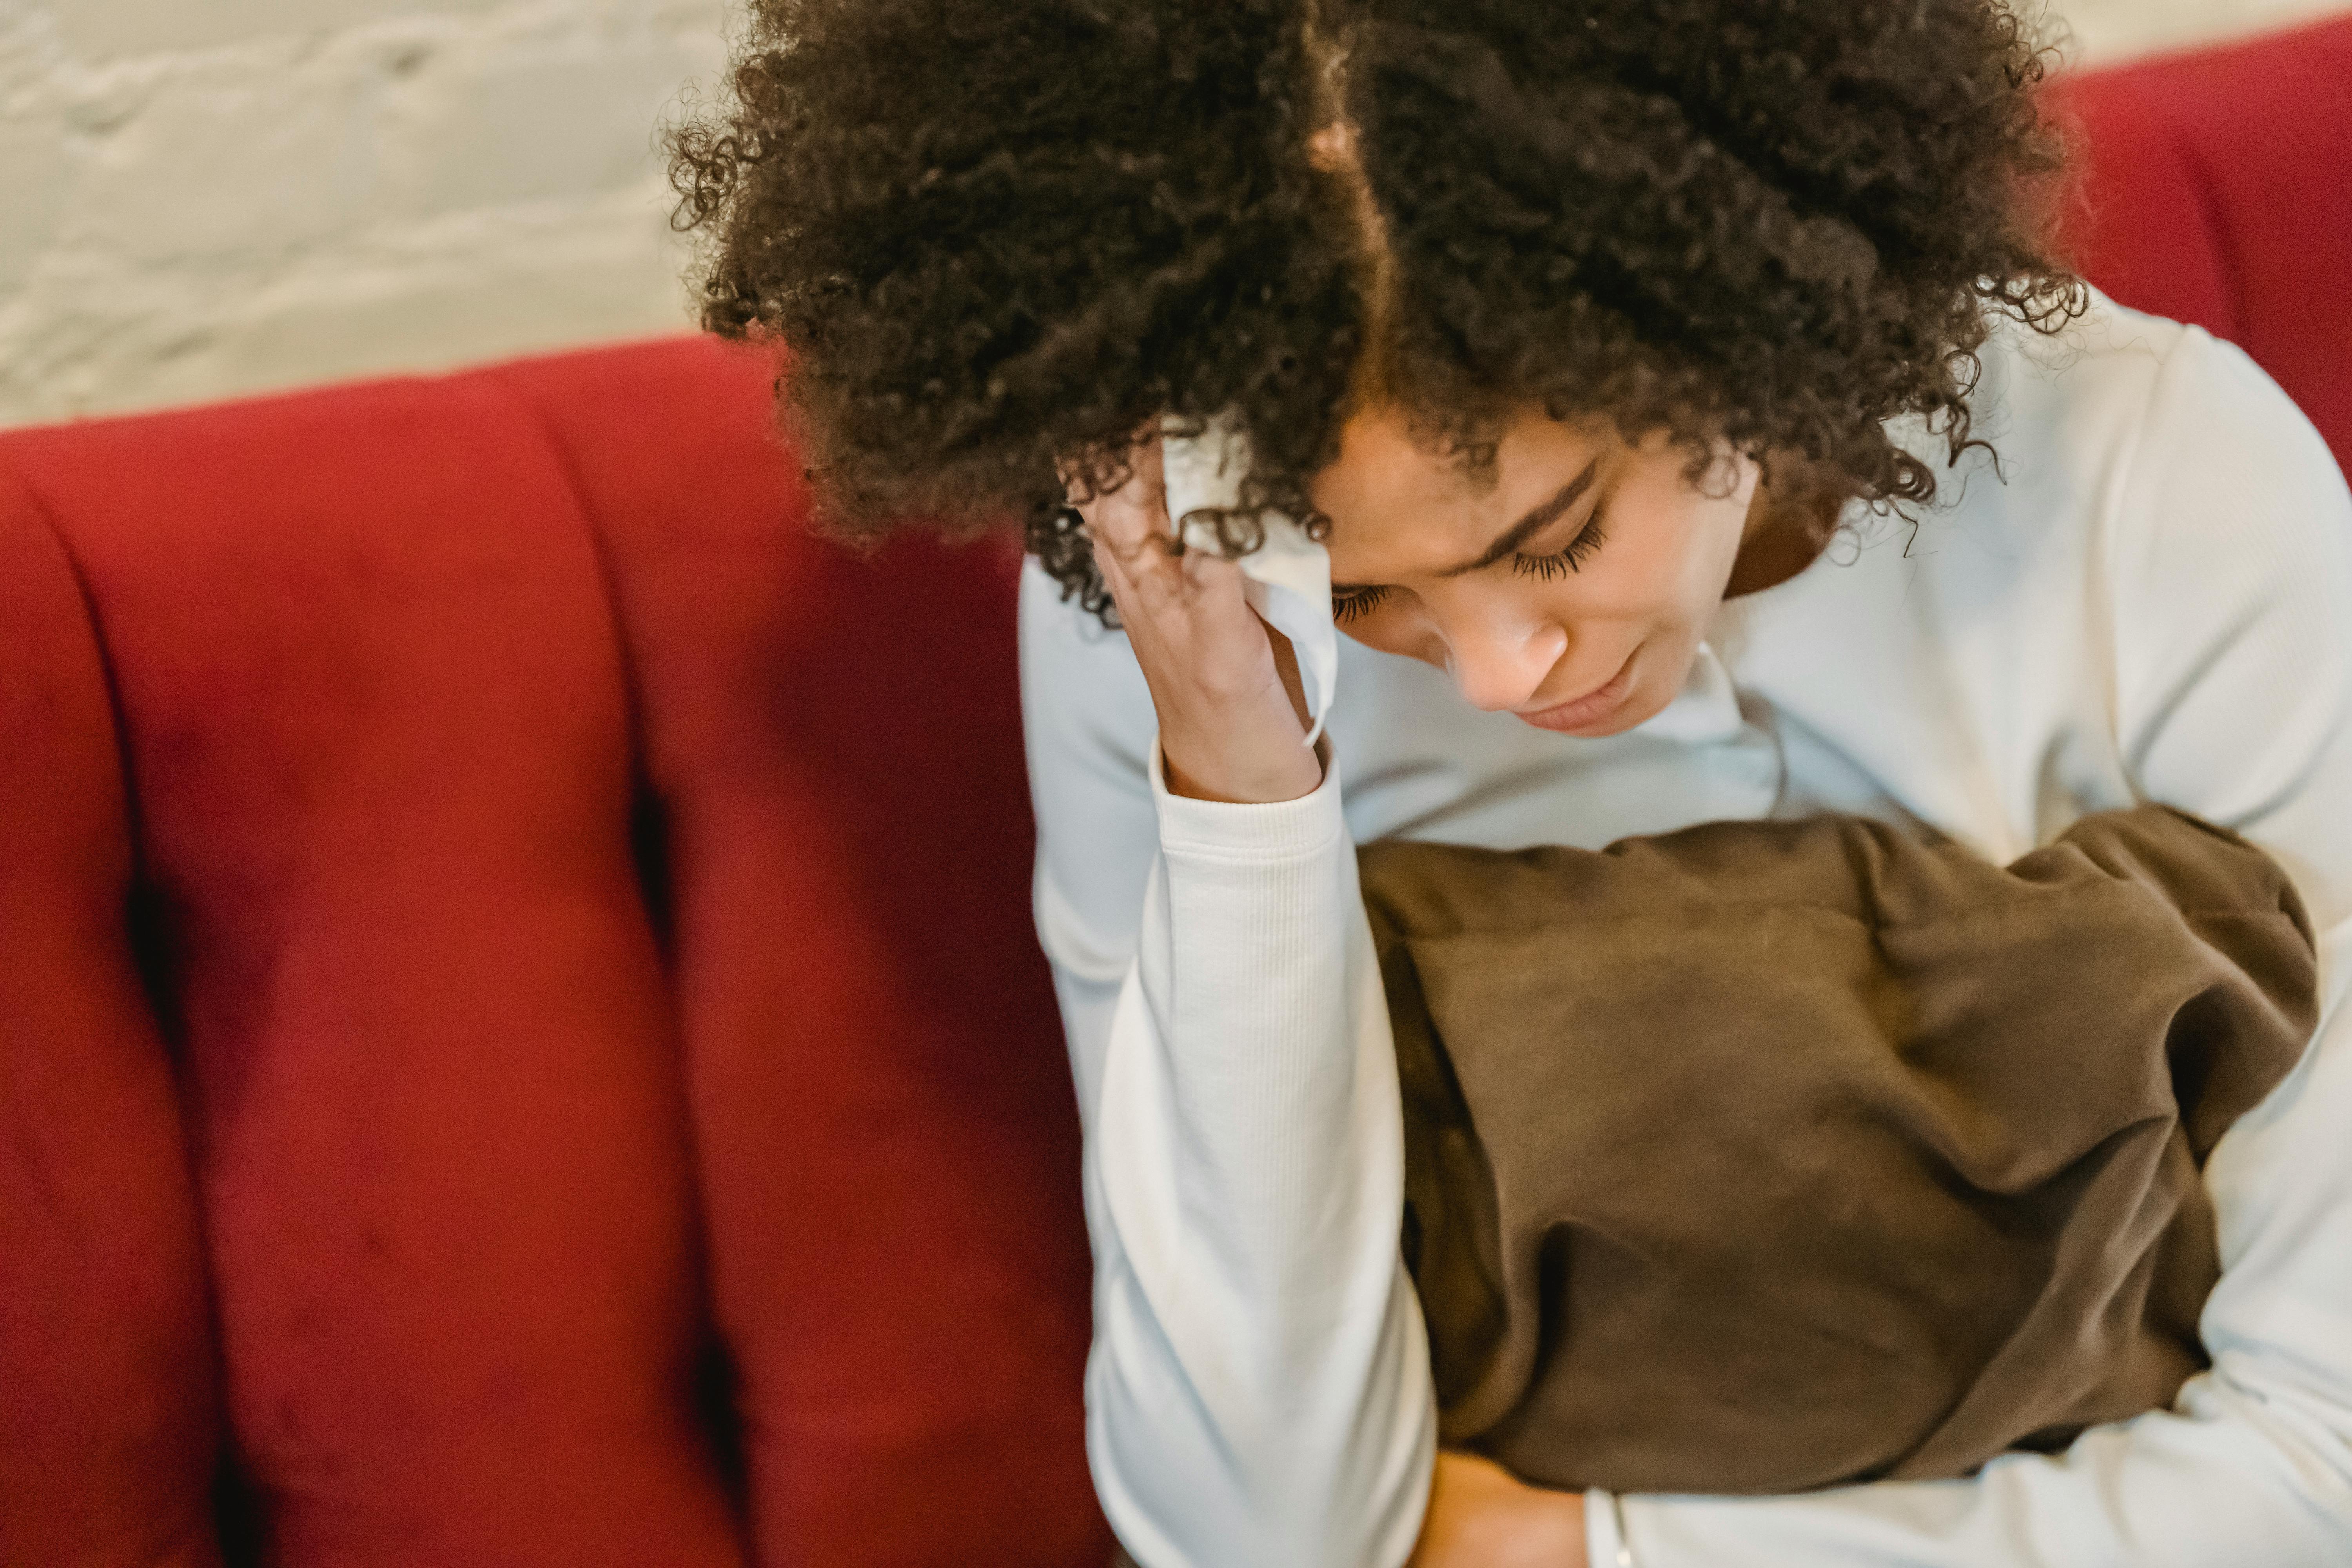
column 1004, row 241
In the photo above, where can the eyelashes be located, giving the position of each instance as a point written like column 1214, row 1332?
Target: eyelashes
column 1358, row 602
column 1549, row 568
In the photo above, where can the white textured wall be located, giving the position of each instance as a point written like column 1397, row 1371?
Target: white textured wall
column 205, row 198
column 202, row 197
column 2108, row 30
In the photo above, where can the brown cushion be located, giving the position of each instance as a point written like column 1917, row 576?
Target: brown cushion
column 1764, row 1156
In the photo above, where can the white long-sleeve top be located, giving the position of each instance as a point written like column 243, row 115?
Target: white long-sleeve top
column 2150, row 600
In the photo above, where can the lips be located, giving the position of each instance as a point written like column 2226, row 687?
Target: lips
column 1592, row 708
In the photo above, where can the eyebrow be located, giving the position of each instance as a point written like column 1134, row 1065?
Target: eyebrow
column 1540, row 518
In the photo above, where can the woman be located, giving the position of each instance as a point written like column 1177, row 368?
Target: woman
column 1698, row 430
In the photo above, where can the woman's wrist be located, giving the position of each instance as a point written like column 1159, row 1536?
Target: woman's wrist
column 1254, row 781
column 1567, row 1548
column 1250, row 752
column 1546, row 1530
column 1480, row 1516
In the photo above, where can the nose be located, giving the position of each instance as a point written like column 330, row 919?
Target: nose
column 1499, row 665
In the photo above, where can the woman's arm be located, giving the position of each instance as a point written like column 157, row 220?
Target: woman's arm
column 1258, row 1392
column 2229, row 561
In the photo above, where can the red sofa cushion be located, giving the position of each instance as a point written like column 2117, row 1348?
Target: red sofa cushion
column 108, row 1419
column 370, row 697
column 585, row 892
column 887, row 1131
column 2216, row 187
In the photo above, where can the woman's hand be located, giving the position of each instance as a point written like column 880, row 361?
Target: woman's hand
column 1232, row 709
column 1481, row 1516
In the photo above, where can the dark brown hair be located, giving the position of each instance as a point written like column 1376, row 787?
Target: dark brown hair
column 1002, row 238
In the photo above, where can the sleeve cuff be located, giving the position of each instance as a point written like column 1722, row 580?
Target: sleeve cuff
column 1278, row 830
column 1606, row 1544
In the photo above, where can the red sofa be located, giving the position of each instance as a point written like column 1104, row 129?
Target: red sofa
column 521, row 1041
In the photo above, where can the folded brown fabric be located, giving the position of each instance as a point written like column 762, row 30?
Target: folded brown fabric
column 1766, row 1156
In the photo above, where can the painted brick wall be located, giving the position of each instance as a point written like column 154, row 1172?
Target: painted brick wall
column 2115, row 29
column 202, row 197
column 205, row 198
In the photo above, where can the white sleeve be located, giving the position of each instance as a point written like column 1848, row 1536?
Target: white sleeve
column 2231, row 564
column 1258, row 1395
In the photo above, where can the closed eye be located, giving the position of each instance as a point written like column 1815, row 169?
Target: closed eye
column 1348, row 603
column 1562, row 562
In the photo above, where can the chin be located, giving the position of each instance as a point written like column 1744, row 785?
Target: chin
column 1638, row 711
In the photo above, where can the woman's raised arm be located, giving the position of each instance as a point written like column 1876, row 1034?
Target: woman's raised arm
column 1258, row 1392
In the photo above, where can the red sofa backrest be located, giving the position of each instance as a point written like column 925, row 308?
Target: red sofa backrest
column 2216, row 187
column 591, row 917
column 519, row 1034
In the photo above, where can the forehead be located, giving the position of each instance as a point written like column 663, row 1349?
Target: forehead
column 1399, row 507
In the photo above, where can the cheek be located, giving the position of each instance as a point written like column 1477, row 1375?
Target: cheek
column 1680, row 563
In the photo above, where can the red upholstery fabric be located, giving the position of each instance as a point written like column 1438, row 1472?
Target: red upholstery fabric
column 590, row 917
column 889, row 1137
column 108, row 1419
column 2218, row 189
column 371, row 697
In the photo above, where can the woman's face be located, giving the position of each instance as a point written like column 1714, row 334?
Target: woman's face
column 1571, row 590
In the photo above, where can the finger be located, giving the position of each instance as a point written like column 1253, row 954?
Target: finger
column 1148, row 587
column 1209, row 571
column 1121, row 584
column 1201, row 585
column 1133, row 518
